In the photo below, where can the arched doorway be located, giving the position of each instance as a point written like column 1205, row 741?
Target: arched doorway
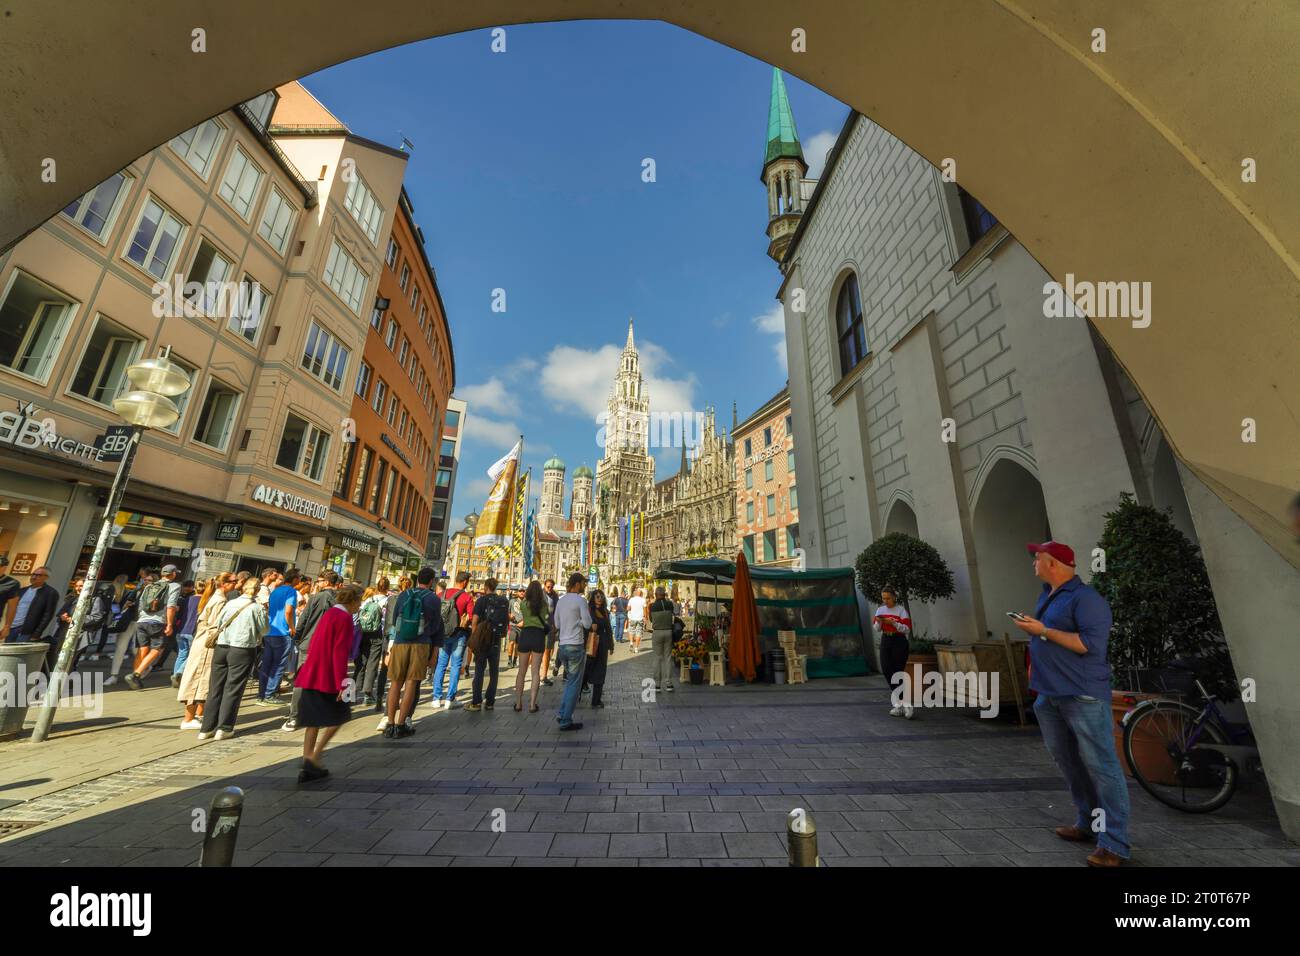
column 1009, row 512
column 902, row 518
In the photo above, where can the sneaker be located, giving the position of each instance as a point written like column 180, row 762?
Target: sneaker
column 390, row 730
column 223, row 734
column 548, row 682
column 289, row 725
column 133, row 681
column 896, row 711
column 473, row 708
column 110, row 679
column 368, row 700
column 403, row 730
column 191, row 724
column 383, row 723
column 908, row 711
column 489, row 706
column 572, row 725
column 176, row 680
column 310, row 772
column 205, row 735
column 261, row 702
column 669, row 688
column 446, row 704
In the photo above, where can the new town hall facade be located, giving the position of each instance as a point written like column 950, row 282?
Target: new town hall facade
column 623, row 522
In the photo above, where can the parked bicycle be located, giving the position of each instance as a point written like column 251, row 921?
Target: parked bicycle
column 1188, row 758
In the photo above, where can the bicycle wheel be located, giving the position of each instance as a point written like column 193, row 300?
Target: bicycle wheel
column 1195, row 779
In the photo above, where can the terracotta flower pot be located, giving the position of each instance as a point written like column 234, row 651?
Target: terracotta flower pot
column 917, row 666
column 1148, row 750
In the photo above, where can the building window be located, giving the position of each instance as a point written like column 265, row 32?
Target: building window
column 390, row 257
column 33, row 321
column 978, row 219
column 94, row 211
column 303, row 447
column 791, row 538
column 749, row 512
column 771, row 506
column 789, row 462
column 360, row 201
column 277, row 217
column 767, row 436
column 363, row 381
column 405, row 277
column 262, row 106
column 344, row 276
column 378, row 488
column 439, row 510
column 404, row 351
column 848, row 325
column 794, row 498
column 325, row 357
column 345, row 463
column 401, row 426
column 209, row 270
column 448, row 448
column 748, row 544
column 381, row 389
column 749, row 447
column 424, row 314
column 198, row 146
column 789, row 424
column 444, row 477
column 157, row 236
column 769, row 546
column 377, row 316
column 390, row 337
column 216, row 415
column 749, row 477
column 101, row 376
column 239, row 186
column 392, row 409
column 363, row 476
column 252, row 308
column 767, row 470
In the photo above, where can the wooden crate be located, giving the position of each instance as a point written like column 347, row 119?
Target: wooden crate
column 990, row 657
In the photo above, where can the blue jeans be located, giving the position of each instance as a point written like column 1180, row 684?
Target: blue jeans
column 451, row 653
column 620, row 620
column 1079, row 736
column 574, row 659
column 182, row 653
column 275, row 658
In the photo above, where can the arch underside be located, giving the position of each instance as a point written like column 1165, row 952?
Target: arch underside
column 1117, row 166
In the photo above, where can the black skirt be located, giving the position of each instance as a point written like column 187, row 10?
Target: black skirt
column 319, row 709
column 532, row 640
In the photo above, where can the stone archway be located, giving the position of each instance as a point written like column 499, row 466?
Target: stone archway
column 1009, row 512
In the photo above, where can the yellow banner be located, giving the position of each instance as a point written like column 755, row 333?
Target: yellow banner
column 494, row 523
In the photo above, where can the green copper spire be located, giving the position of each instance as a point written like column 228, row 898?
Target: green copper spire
column 782, row 137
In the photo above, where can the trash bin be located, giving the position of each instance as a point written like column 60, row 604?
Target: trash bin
column 776, row 658
column 18, row 661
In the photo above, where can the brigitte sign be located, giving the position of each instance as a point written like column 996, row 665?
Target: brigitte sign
column 21, row 430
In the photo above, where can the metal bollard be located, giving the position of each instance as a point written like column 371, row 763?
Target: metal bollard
column 223, row 828
column 801, row 837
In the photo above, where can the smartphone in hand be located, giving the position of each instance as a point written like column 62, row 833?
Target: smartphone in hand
column 1015, row 615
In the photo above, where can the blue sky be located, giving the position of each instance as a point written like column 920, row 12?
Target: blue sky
column 527, row 176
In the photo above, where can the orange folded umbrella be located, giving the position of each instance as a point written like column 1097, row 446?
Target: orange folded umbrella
column 743, row 644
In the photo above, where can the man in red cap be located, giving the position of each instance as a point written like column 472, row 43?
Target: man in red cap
column 1071, row 675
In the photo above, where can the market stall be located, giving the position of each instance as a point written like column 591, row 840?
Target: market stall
column 820, row 605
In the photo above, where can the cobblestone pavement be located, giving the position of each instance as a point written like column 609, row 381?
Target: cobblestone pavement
column 702, row 776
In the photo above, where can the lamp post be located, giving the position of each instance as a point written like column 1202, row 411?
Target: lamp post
column 154, row 383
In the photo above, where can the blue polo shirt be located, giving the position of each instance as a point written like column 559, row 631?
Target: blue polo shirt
column 275, row 605
column 1057, row 671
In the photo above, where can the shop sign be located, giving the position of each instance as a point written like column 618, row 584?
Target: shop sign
column 21, row 430
column 114, row 442
column 288, row 501
column 353, row 543
column 394, row 557
column 593, row 575
column 213, row 561
column 396, row 451
column 23, row 563
column 230, row 531
column 771, row 451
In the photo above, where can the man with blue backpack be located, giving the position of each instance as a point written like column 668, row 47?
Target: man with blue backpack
column 417, row 628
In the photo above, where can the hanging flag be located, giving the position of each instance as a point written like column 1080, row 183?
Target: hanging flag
column 517, row 519
column 530, row 544
column 496, row 519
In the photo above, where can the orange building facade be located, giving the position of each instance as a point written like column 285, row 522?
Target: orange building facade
column 383, row 491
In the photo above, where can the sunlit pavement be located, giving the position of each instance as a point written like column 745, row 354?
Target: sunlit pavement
column 703, row 776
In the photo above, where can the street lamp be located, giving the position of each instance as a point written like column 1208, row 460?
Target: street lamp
column 154, row 383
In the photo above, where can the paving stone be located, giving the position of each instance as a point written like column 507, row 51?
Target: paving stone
column 638, row 845
column 581, row 844
column 523, row 844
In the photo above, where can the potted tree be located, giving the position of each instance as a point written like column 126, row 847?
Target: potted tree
column 917, row 572
column 1163, row 608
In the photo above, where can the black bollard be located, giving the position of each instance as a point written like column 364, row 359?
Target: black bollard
column 223, row 828
column 801, row 838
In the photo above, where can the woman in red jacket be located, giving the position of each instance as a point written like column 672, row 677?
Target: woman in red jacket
column 326, row 701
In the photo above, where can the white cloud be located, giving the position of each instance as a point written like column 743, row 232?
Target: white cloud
column 487, row 431
column 815, row 152
column 492, row 397
column 772, row 322
column 578, row 380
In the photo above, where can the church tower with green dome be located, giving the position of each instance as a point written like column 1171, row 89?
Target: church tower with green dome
column 550, row 510
column 783, row 172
